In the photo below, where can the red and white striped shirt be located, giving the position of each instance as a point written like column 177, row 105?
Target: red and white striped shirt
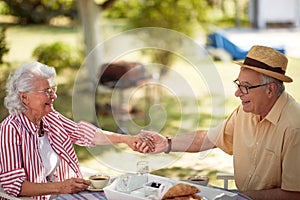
column 20, row 158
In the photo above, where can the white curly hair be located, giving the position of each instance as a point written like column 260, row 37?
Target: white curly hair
column 22, row 81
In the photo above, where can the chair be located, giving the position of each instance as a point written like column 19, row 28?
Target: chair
column 123, row 75
column 225, row 177
column 219, row 40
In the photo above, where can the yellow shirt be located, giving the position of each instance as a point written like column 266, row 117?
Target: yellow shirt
column 266, row 153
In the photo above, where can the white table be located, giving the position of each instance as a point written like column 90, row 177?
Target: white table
column 209, row 193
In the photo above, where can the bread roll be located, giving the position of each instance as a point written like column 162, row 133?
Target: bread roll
column 189, row 197
column 181, row 190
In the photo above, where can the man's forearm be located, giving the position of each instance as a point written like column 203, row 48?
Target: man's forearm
column 272, row 194
column 191, row 142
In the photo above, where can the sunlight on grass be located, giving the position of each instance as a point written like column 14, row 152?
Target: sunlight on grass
column 22, row 40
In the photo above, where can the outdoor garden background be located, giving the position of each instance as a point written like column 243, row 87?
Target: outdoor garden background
column 58, row 41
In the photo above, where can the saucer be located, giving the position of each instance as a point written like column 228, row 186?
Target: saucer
column 91, row 188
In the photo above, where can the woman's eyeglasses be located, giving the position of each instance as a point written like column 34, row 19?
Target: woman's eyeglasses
column 48, row 91
column 245, row 88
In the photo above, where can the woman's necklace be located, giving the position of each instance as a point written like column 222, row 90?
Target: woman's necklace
column 41, row 131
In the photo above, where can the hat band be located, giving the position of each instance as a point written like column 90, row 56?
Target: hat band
column 256, row 63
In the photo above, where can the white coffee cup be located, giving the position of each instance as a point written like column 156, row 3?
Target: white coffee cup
column 99, row 181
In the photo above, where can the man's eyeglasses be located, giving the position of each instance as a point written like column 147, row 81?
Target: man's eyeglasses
column 245, row 88
column 47, row 91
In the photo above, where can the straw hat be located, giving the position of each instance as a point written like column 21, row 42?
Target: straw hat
column 267, row 61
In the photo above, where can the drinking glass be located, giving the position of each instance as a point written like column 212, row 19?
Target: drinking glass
column 142, row 167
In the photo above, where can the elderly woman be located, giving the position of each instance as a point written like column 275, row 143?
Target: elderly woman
column 36, row 142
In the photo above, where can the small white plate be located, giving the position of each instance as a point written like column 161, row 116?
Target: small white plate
column 91, row 188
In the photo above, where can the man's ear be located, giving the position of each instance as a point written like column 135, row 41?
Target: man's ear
column 272, row 87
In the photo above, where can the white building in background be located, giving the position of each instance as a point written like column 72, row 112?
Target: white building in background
column 264, row 12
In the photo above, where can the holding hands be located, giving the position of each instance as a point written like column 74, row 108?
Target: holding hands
column 151, row 142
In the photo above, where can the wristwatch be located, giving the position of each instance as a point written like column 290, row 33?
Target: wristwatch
column 169, row 140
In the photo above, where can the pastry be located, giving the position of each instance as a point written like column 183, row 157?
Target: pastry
column 181, row 190
column 189, row 197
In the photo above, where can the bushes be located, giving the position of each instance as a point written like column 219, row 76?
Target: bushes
column 3, row 45
column 4, row 72
column 58, row 55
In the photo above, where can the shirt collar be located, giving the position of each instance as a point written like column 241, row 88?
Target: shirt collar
column 274, row 114
column 30, row 126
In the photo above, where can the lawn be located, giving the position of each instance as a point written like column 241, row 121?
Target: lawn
column 23, row 39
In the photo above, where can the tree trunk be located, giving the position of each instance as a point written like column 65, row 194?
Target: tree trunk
column 238, row 13
column 89, row 16
column 87, row 79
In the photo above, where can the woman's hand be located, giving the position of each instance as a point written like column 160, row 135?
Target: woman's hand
column 74, row 185
column 160, row 142
column 145, row 141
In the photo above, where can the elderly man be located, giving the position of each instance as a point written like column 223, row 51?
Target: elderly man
column 262, row 134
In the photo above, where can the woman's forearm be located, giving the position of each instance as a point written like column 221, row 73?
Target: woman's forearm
column 106, row 137
column 30, row 189
column 72, row 185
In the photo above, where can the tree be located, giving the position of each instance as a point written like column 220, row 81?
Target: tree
column 40, row 11
column 179, row 15
column 3, row 45
column 89, row 13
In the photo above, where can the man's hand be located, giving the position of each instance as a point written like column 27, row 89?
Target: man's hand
column 159, row 141
column 132, row 142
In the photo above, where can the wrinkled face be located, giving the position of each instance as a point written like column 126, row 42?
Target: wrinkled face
column 258, row 100
column 39, row 101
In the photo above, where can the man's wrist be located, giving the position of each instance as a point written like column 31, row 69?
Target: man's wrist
column 169, row 145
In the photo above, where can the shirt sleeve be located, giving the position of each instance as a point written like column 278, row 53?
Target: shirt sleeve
column 12, row 173
column 222, row 135
column 291, row 161
column 81, row 133
column 213, row 133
